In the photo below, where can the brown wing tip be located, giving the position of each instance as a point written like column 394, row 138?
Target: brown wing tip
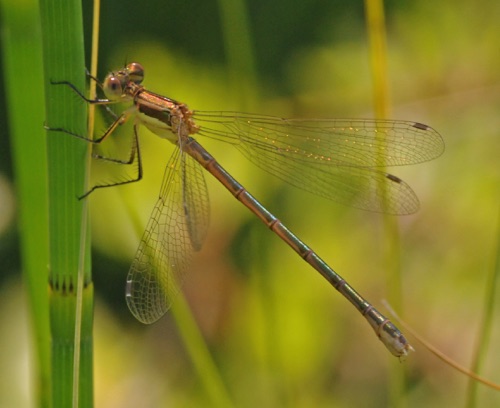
column 420, row 126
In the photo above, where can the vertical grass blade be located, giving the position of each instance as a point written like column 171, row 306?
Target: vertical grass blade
column 492, row 287
column 63, row 54
column 375, row 21
column 22, row 65
column 239, row 51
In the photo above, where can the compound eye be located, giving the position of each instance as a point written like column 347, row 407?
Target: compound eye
column 135, row 72
column 113, row 87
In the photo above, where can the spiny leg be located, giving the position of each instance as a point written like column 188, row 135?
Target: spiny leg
column 118, row 121
column 135, row 152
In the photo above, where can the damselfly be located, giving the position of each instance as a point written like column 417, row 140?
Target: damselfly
column 339, row 159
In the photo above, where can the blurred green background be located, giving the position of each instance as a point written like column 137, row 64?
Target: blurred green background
column 278, row 333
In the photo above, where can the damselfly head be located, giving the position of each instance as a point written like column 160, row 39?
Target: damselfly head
column 114, row 85
column 118, row 84
column 135, row 72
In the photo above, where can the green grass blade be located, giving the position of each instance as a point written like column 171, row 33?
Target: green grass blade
column 239, row 52
column 62, row 34
column 492, row 286
column 22, row 63
column 196, row 346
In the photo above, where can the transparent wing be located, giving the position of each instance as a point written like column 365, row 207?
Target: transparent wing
column 336, row 159
column 176, row 227
column 196, row 204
